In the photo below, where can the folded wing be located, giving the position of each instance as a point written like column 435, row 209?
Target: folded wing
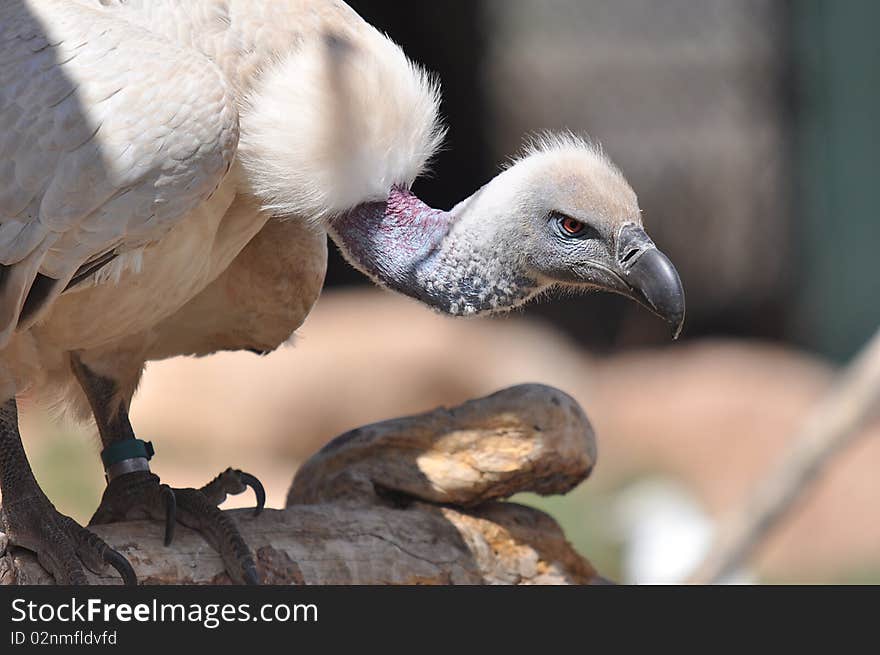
column 109, row 136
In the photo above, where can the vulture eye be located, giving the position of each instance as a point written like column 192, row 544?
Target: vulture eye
column 571, row 227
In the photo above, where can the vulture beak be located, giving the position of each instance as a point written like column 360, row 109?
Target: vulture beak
column 651, row 278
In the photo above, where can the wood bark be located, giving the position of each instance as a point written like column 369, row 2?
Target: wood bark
column 414, row 500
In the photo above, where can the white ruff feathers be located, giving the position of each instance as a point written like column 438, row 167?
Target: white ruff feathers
column 336, row 123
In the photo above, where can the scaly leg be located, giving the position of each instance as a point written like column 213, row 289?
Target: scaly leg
column 31, row 521
column 133, row 492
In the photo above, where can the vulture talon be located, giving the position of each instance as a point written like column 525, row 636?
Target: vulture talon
column 197, row 510
column 140, row 495
column 259, row 491
column 63, row 547
column 122, row 566
column 251, row 577
column 232, row 482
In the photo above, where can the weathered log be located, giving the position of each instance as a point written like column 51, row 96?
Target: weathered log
column 525, row 437
column 409, row 500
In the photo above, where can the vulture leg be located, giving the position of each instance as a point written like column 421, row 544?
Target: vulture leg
column 134, row 492
column 31, row 521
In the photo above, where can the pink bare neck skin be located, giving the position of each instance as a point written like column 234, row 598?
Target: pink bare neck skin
column 404, row 244
column 386, row 240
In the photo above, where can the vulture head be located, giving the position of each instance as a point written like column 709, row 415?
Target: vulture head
column 338, row 133
column 561, row 216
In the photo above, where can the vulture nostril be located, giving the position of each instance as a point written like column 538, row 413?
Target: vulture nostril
column 629, row 255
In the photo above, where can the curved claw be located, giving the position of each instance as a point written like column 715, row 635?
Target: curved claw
column 259, row 491
column 122, row 566
column 250, row 575
column 170, row 512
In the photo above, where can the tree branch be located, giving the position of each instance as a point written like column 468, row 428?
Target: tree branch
column 831, row 426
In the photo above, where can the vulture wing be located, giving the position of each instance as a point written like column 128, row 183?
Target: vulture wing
column 109, row 136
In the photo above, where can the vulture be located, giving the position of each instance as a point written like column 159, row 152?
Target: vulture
column 170, row 172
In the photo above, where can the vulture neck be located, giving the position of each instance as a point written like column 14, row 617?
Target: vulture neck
column 442, row 258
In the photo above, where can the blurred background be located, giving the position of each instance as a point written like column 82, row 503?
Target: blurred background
column 749, row 130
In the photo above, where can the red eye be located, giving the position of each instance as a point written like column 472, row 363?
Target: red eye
column 572, row 226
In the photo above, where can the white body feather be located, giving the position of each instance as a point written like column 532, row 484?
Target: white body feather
column 365, row 120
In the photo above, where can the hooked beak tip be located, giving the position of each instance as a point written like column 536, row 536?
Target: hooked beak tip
column 652, row 279
column 677, row 327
